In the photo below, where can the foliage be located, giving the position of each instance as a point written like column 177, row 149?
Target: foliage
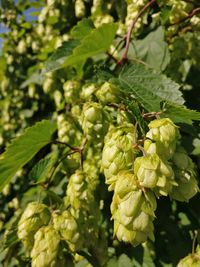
column 109, row 179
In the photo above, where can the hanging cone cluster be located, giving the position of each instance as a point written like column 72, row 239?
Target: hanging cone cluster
column 164, row 169
column 132, row 210
column 192, row 260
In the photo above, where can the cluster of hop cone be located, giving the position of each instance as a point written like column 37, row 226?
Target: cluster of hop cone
column 137, row 182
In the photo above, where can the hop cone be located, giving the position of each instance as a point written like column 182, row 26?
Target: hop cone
column 87, row 91
column 132, row 210
column 118, row 152
column 152, row 172
column 165, row 133
column 67, row 129
column 67, row 226
column 71, row 91
column 46, row 248
column 108, row 93
column 78, row 192
column 94, row 121
column 185, row 176
column 192, row 260
column 92, row 164
column 34, row 216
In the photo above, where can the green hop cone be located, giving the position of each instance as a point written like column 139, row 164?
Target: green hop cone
column 67, row 226
column 94, row 121
column 108, row 93
column 192, row 260
column 46, row 248
column 79, row 9
column 35, row 216
column 78, row 193
column 87, row 91
column 154, row 173
column 132, row 210
column 68, row 130
column 118, row 153
column 185, row 176
column 166, row 134
column 71, row 91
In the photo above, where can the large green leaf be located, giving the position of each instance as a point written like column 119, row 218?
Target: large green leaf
column 98, row 41
column 147, row 87
column 57, row 59
column 180, row 114
column 82, row 29
column 23, row 148
column 152, row 49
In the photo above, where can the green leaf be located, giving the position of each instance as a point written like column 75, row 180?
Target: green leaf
column 41, row 170
column 147, row 258
column 23, row 148
column 124, row 261
column 147, row 87
column 36, row 78
column 98, row 41
column 152, row 49
column 82, row 28
column 180, row 114
column 57, row 59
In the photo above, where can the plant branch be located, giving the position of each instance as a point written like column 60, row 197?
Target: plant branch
column 128, row 36
column 190, row 15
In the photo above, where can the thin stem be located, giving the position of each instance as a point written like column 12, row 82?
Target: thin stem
column 194, row 241
column 190, row 15
column 128, row 36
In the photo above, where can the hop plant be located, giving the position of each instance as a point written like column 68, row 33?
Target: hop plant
column 118, row 153
column 108, row 93
column 165, row 134
column 132, row 210
column 46, row 249
column 185, row 176
column 35, row 216
column 154, row 173
column 94, row 121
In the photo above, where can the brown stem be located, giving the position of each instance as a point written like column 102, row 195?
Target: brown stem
column 190, row 15
column 128, row 36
